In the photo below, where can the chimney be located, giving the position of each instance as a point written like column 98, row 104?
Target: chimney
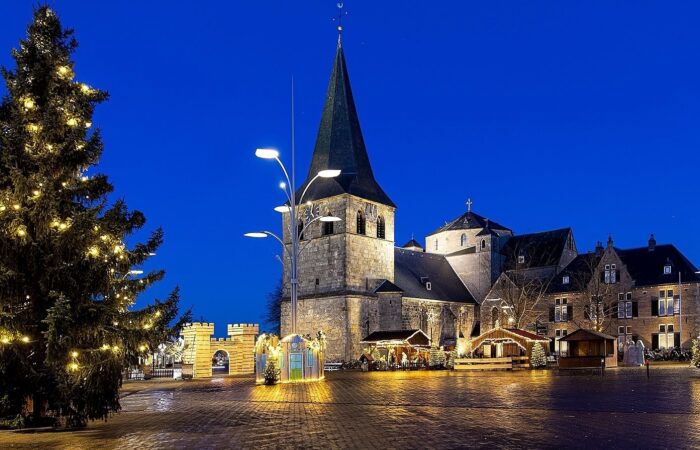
column 652, row 243
column 599, row 248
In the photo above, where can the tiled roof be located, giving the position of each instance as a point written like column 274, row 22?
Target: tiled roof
column 539, row 249
column 580, row 271
column 412, row 271
column 586, row 335
column 340, row 145
column 412, row 243
column 647, row 267
column 391, row 335
column 468, row 221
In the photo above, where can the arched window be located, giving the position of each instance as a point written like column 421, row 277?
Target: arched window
column 381, row 228
column 483, row 244
column 463, row 240
column 494, row 316
column 361, row 222
column 300, row 228
column 327, row 226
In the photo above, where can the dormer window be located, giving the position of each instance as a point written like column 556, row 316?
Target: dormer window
column 521, row 259
column 428, row 285
column 565, row 279
column 667, row 269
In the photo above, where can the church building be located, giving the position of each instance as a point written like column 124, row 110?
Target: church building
column 353, row 280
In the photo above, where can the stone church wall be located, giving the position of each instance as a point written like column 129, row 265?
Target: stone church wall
column 439, row 320
column 345, row 319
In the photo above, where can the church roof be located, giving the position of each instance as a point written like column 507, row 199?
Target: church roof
column 647, row 267
column 468, row 221
column 412, row 271
column 412, row 243
column 340, row 145
column 539, row 249
column 388, row 286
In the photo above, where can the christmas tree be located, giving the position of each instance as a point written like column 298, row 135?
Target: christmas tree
column 538, row 358
column 695, row 358
column 67, row 280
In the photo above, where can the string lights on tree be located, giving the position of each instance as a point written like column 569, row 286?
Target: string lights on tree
column 68, row 284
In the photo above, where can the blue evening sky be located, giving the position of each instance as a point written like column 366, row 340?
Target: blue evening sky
column 547, row 114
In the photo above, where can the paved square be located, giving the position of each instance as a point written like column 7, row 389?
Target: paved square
column 526, row 409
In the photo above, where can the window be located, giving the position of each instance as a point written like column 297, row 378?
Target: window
column 610, row 274
column 483, row 244
column 666, row 336
column 361, row 222
column 300, row 228
column 521, row 259
column 667, row 269
column 561, row 313
column 624, row 306
column 560, row 347
column 327, row 228
column 565, row 279
column 428, row 285
column 666, row 303
column 463, row 240
column 494, row 316
column 624, row 334
column 309, row 357
column 381, row 228
column 436, row 244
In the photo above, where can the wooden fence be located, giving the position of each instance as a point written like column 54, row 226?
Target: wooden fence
column 506, row 363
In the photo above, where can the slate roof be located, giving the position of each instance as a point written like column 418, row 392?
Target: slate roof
column 647, row 267
column 412, row 269
column 540, row 249
column 388, row 286
column 580, row 271
column 340, row 145
column 469, row 221
column 412, row 243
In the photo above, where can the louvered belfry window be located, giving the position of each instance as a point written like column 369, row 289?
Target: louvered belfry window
column 381, row 228
column 361, row 222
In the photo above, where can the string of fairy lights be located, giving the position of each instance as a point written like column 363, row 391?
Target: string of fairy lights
column 105, row 247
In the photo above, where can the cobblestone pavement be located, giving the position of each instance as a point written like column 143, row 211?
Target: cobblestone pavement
column 527, row 409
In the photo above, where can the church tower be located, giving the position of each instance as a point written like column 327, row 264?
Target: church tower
column 342, row 262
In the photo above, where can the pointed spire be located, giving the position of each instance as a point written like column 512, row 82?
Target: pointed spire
column 340, row 145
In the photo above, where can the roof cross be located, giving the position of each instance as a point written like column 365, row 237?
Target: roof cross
column 340, row 20
column 469, row 204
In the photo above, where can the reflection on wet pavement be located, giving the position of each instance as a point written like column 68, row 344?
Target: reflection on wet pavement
column 533, row 409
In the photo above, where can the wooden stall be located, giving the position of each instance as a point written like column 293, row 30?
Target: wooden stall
column 589, row 349
column 507, row 342
column 400, row 348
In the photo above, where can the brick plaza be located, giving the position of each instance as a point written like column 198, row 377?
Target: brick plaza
column 526, row 409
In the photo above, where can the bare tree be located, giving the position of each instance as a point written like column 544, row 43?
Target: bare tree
column 521, row 298
column 273, row 314
column 594, row 294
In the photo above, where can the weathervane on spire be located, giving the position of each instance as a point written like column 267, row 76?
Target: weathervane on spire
column 340, row 20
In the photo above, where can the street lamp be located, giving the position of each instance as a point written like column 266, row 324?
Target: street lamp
column 292, row 207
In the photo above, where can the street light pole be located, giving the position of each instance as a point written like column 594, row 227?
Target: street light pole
column 295, row 234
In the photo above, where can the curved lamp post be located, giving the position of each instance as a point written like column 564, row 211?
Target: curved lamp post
column 292, row 207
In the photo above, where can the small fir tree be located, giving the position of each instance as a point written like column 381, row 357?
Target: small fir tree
column 538, row 357
column 695, row 358
column 272, row 371
column 67, row 285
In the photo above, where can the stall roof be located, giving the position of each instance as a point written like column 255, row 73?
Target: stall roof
column 587, row 335
column 412, row 337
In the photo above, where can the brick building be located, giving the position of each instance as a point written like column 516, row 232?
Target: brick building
column 649, row 293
